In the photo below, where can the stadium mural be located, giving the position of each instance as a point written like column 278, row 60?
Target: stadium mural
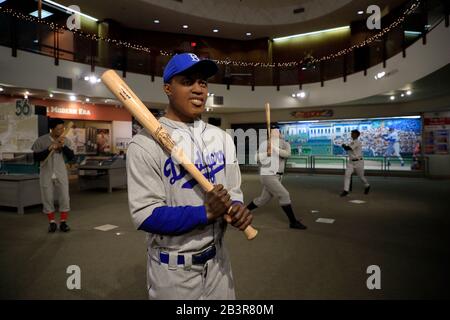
column 388, row 137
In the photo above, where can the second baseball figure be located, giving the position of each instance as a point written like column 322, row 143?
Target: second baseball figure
column 271, row 174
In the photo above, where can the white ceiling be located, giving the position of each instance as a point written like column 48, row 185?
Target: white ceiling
column 233, row 18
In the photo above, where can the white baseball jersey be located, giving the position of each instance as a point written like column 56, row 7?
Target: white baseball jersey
column 356, row 152
column 281, row 150
column 155, row 179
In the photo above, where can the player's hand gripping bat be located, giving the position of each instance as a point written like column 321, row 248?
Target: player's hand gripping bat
column 135, row 106
column 66, row 131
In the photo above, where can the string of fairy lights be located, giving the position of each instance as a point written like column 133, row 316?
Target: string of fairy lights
column 291, row 64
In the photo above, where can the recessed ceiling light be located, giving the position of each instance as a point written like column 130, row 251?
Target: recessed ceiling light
column 409, row 92
column 216, row 30
column 402, row 95
column 25, row 96
column 360, row 12
column 392, row 98
column 87, row 99
column 1, row 89
column 248, row 34
column 72, row 98
column 27, row 92
column 293, row 95
column 185, row 26
column 156, row 21
column 51, row 95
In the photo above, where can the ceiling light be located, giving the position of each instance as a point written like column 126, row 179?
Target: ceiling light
column 312, row 33
column 409, row 92
column 86, row 78
column 51, row 95
column 93, row 79
column 27, row 92
column 44, row 14
column 392, row 97
column 303, row 68
column 216, row 30
column 25, row 96
column 185, row 26
column 248, row 34
column 402, row 95
column 72, row 98
column 360, row 12
column 87, row 99
column 293, row 95
column 380, row 75
column 1, row 89
column 302, row 94
column 156, row 21
column 71, row 10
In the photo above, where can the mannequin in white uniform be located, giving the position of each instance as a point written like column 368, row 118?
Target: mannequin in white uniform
column 355, row 163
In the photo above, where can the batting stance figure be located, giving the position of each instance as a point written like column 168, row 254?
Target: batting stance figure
column 355, row 163
column 50, row 150
column 271, row 174
column 186, row 254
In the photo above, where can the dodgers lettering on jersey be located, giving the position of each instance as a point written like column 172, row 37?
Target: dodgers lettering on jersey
column 215, row 162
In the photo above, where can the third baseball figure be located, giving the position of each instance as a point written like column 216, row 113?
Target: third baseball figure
column 355, row 163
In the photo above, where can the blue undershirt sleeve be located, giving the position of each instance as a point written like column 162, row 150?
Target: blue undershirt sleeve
column 174, row 220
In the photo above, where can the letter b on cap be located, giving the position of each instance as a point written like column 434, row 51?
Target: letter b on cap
column 194, row 57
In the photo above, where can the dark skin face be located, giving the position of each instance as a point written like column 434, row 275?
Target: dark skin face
column 187, row 95
column 57, row 135
column 354, row 135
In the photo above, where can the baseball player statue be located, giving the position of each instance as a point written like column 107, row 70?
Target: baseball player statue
column 185, row 226
column 50, row 150
column 394, row 144
column 271, row 174
column 355, row 163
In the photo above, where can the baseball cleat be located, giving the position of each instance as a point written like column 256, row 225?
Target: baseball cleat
column 344, row 193
column 64, row 227
column 297, row 225
column 366, row 190
column 52, row 227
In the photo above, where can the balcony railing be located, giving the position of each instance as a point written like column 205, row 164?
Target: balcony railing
column 40, row 38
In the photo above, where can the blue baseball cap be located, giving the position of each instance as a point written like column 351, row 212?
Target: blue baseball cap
column 184, row 61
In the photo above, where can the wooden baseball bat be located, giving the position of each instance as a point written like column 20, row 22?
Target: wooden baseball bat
column 135, row 106
column 66, row 131
column 269, row 133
